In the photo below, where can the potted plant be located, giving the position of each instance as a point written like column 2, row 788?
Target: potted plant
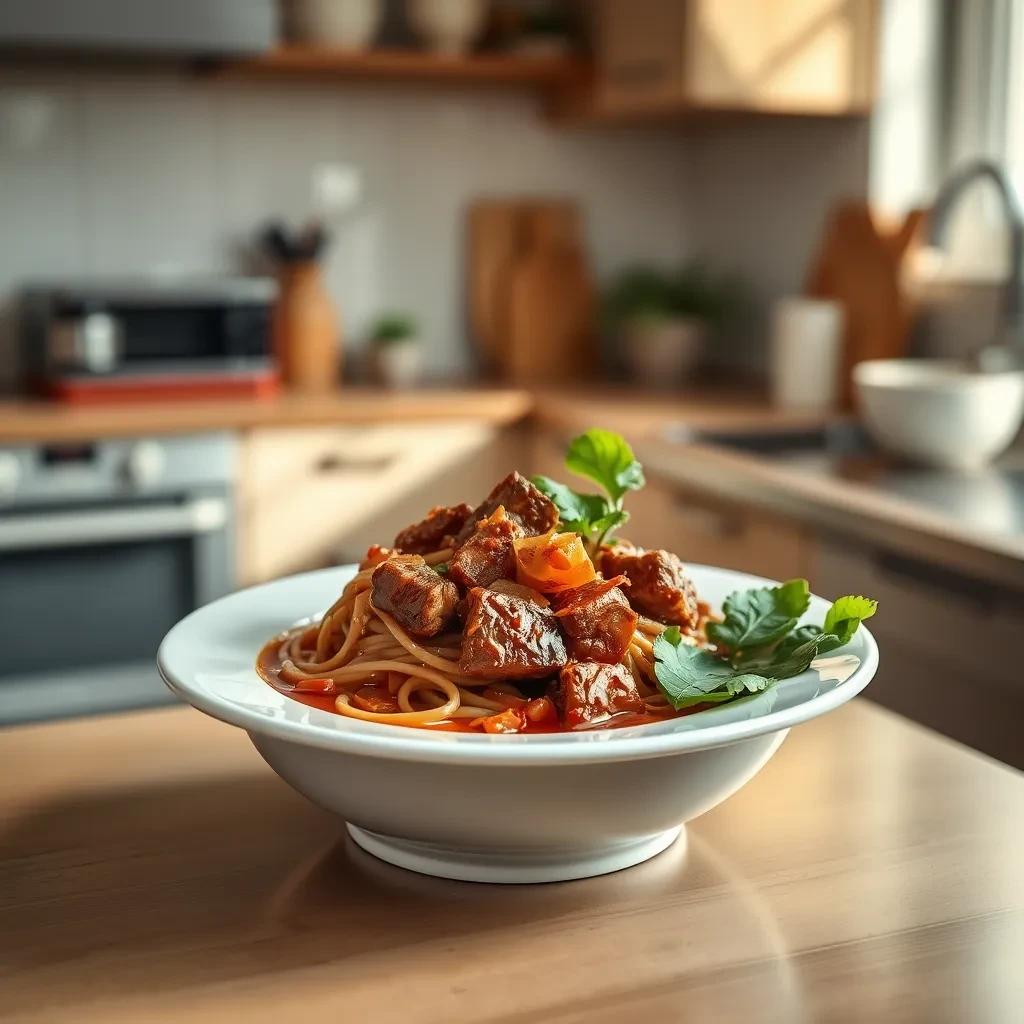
column 661, row 319
column 395, row 350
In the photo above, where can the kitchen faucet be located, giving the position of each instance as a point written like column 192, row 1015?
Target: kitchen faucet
column 1007, row 349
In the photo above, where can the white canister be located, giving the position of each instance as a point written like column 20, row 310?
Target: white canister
column 448, row 26
column 806, row 342
column 347, row 24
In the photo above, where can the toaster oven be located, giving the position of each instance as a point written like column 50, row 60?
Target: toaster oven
column 139, row 339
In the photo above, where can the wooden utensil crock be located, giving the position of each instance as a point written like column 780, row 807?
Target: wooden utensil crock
column 307, row 330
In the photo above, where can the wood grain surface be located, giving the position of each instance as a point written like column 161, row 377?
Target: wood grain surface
column 154, row 869
column 28, row 421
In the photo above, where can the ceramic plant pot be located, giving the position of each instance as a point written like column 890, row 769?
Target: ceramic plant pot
column 663, row 353
column 399, row 364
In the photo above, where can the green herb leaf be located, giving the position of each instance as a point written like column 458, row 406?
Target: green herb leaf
column 441, row 568
column 788, row 659
column 577, row 512
column 846, row 615
column 590, row 515
column 690, row 675
column 755, row 618
column 607, row 459
column 795, row 652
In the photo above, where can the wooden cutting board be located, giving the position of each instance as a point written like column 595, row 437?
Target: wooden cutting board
column 531, row 295
column 860, row 264
column 551, row 299
column 494, row 243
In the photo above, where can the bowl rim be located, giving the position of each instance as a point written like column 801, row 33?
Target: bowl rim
column 392, row 742
column 937, row 375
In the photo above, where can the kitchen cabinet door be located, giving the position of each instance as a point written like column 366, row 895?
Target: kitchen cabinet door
column 783, row 56
column 948, row 644
column 311, row 497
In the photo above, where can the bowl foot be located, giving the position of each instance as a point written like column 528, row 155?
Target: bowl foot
column 513, row 866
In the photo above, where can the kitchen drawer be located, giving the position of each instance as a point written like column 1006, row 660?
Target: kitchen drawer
column 948, row 645
column 306, row 492
column 967, row 622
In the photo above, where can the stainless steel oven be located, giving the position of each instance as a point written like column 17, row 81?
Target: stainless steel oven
column 103, row 546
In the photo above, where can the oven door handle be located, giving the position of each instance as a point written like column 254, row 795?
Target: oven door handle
column 112, row 526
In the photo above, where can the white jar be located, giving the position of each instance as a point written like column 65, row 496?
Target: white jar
column 447, row 26
column 806, row 344
column 347, row 24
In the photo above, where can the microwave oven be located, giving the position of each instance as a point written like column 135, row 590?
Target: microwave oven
column 140, row 339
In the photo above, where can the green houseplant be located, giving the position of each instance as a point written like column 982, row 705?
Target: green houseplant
column 661, row 318
column 395, row 350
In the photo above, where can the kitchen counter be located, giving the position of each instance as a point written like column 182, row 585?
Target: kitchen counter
column 153, row 868
column 27, row 421
column 939, row 531
column 632, row 413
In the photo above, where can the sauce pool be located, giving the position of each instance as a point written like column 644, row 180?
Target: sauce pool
column 269, row 668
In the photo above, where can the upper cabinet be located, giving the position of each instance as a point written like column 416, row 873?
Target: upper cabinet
column 774, row 56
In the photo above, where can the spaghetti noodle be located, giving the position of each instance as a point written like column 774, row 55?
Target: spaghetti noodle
column 368, row 667
column 499, row 584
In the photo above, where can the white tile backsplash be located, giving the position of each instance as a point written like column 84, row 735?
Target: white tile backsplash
column 126, row 172
column 108, row 173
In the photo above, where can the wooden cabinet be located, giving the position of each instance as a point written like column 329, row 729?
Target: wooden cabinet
column 697, row 527
column 317, row 496
column 949, row 644
column 781, row 56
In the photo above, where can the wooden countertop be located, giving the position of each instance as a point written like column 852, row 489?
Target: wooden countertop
column 26, row 421
column 153, row 868
column 633, row 413
column 846, row 507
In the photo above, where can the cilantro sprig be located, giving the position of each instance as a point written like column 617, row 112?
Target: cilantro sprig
column 758, row 643
column 607, row 459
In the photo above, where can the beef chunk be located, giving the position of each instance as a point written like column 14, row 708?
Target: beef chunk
column 597, row 620
column 429, row 534
column 523, row 503
column 421, row 601
column 658, row 585
column 509, row 637
column 588, row 692
column 488, row 555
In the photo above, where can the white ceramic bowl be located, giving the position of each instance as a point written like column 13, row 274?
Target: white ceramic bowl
column 937, row 411
column 492, row 808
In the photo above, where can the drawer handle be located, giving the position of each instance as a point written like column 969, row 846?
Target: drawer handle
column 335, row 463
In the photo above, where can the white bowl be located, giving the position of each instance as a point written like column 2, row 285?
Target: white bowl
column 492, row 808
column 937, row 411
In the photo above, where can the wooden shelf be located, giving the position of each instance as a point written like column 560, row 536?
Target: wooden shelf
column 410, row 65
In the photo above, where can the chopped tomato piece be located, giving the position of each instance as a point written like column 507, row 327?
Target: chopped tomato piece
column 375, row 699
column 510, row 720
column 315, row 686
column 553, row 562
